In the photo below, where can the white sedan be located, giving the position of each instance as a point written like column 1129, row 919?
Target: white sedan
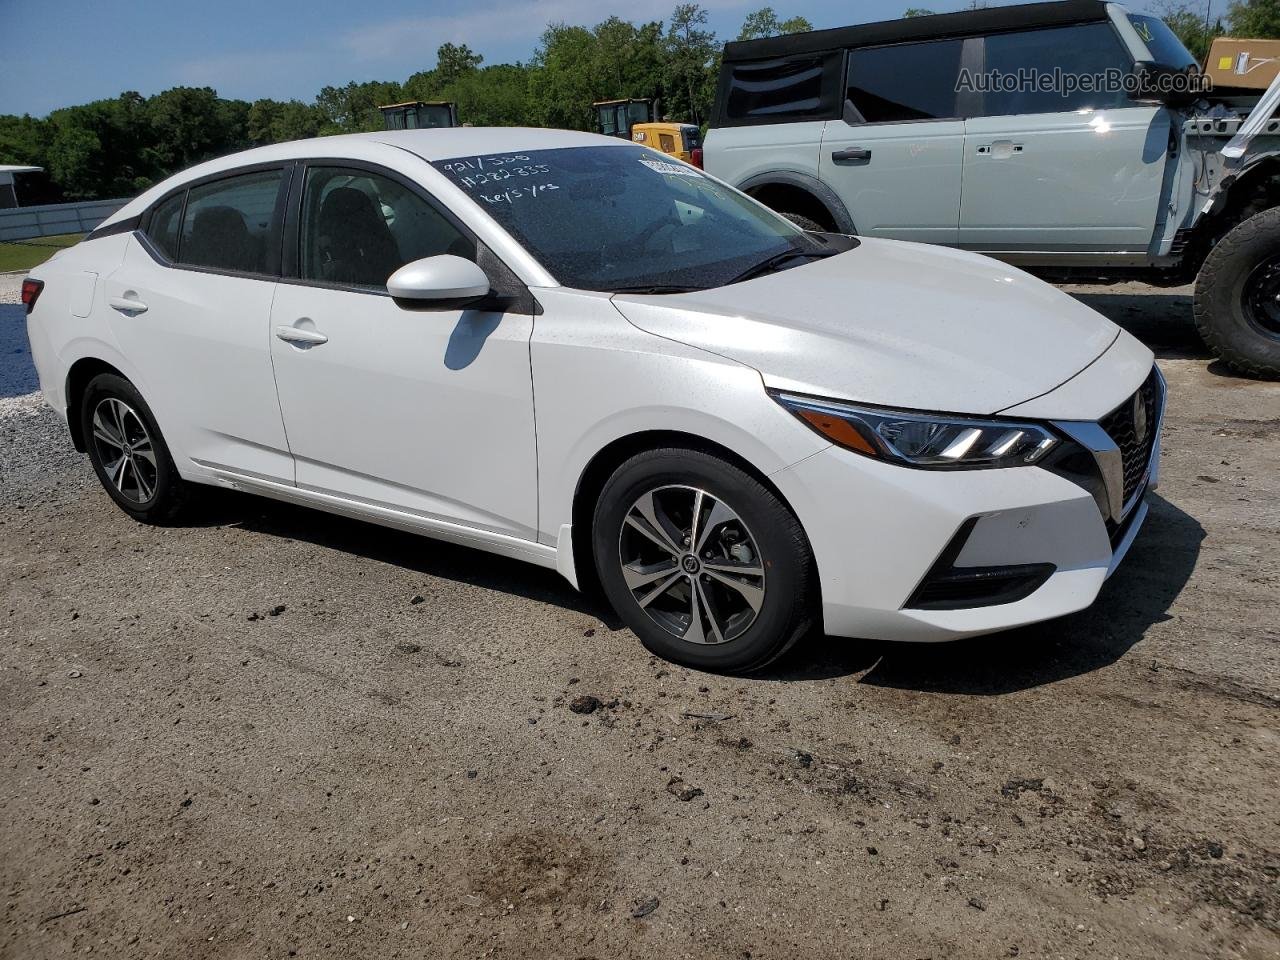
column 579, row 352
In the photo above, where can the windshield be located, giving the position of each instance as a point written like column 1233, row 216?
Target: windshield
column 627, row 218
column 1165, row 47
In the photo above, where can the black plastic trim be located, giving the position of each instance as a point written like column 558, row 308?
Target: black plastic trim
column 948, row 587
column 820, row 191
column 127, row 225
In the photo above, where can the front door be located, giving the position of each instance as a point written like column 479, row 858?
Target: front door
column 895, row 158
column 422, row 410
column 190, row 307
column 1061, row 171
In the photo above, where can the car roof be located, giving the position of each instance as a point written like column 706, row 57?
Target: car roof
column 931, row 27
column 438, row 143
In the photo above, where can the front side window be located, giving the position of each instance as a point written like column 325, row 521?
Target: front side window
column 358, row 228
column 624, row 217
column 1162, row 43
column 1087, row 50
column 230, row 224
column 908, row 81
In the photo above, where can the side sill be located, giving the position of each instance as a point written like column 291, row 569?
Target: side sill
column 499, row 543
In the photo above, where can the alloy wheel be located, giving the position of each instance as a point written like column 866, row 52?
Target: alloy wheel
column 125, row 450
column 692, row 564
column 1261, row 297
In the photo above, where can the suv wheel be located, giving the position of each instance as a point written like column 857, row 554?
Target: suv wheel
column 703, row 562
column 128, row 453
column 1237, row 298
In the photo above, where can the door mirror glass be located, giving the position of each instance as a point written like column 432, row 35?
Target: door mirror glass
column 445, row 279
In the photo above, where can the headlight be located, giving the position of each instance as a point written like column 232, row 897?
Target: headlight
column 935, row 441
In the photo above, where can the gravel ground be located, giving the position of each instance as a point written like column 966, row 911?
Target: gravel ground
column 274, row 733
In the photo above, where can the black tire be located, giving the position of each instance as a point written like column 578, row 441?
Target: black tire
column 774, row 540
column 1227, row 314
column 161, row 495
column 805, row 223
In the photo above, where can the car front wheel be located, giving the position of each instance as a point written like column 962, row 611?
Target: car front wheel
column 128, row 453
column 703, row 562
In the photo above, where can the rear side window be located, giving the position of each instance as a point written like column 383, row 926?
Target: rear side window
column 908, row 81
column 166, row 221
column 231, row 224
column 1084, row 51
column 358, row 228
column 779, row 90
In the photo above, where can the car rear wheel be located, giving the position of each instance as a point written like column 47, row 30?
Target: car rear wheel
column 128, row 453
column 702, row 561
column 1237, row 298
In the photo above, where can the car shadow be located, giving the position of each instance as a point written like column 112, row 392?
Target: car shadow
column 1163, row 321
column 1137, row 596
column 17, row 371
column 432, row 558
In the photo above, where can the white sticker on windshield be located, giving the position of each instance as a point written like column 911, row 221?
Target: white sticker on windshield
column 662, row 166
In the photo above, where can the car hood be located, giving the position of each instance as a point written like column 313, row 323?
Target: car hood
column 892, row 323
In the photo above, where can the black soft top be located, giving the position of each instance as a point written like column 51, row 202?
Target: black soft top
column 935, row 27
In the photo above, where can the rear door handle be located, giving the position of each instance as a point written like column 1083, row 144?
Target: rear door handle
column 299, row 335
column 999, row 149
column 127, row 305
column 851, row 155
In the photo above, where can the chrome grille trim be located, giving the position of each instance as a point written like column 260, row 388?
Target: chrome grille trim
column 1123, row 461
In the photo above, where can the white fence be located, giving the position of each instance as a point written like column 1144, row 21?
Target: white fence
column 27, row 223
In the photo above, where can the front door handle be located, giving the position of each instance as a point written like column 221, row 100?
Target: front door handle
column 298, row 335
column 127, row 305
column 850, row 156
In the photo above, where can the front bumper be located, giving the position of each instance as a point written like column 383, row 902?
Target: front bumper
column 879, row 531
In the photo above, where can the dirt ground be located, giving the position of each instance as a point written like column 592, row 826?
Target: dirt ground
column 274, row 733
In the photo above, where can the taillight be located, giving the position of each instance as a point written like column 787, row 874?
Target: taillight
column 31, row 292
column 695, row 157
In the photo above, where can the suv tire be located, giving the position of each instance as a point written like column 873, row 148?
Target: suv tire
column 1237, row 296
column 740, row 564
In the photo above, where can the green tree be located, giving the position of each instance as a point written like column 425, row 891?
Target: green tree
column 274, row 121
column 917, row 12
column 354, row 108
column 455, row 61
column 691, row 51
column 561, row 88
column 765, row 23
column 1251, row 19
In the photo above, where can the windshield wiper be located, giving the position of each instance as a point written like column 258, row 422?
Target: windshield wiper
column 777, row 261
column 655, row 288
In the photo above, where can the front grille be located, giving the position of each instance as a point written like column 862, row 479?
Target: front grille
column 1133, row 426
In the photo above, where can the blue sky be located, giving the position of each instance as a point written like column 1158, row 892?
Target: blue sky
column 55, row 52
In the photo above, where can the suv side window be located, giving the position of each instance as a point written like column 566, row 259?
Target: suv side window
column 907, row 81
column 358, row 228
column 231, row 224
column 771, row 91
column 1087, row 49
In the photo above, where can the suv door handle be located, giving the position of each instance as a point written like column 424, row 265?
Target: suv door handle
column 301, row 336
column 126, row 305
column 850, row 156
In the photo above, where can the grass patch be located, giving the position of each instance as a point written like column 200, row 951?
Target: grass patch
column 25, row 254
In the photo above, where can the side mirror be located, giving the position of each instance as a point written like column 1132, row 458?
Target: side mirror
column 444, row 281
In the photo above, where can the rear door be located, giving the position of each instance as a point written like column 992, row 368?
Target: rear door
column 190, row 307
column 1049, row 169
column 895, row 158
